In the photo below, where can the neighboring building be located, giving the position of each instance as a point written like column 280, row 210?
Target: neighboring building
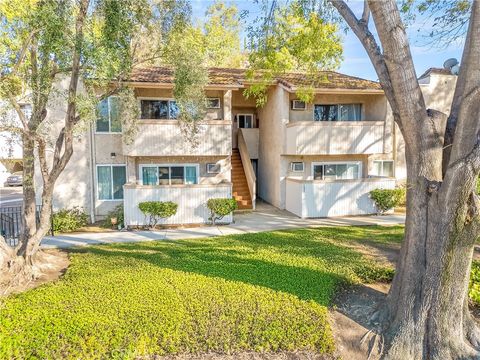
column 314, row 160
column 11, row 155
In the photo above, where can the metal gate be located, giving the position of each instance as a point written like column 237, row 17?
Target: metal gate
column 11, row 223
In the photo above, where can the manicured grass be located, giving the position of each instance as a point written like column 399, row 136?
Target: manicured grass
column 261, row 292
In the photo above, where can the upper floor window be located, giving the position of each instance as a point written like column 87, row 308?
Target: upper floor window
column 158, row 109
column 338, row 112
column 245, row 121
column 383, row 168
column 338, row 171
column 169, row 174
column 108, row 111
column 213, row 103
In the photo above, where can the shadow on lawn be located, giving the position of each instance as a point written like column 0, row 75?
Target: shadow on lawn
column 315, row 264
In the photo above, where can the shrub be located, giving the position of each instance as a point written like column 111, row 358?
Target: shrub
column 67, row 220
column 386, row 199
column 478, row 186
column 117, row 213
column 156, row 210
column 474, row 289
column 220, row 207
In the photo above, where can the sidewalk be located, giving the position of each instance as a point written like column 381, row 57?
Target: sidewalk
column 265, row 218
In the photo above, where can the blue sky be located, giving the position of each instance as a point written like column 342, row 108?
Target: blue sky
column 356, row 61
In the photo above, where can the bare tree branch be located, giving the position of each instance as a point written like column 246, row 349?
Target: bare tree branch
column 361, row 30
column 366, row 13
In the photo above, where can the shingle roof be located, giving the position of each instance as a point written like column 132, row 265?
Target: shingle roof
column 440, row 71
column 237, row 77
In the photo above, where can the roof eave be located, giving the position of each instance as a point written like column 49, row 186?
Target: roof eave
column 339, row 90
column 158, row 85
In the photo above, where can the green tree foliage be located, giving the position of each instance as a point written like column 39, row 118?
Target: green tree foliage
column 291, row 37
column 222, row 30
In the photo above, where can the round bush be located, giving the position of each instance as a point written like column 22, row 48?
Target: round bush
column 386, row 199
column 67, row 220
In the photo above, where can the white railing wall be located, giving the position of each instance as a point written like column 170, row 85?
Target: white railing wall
column 191, row 200
column 334, row 137
column 247, row 167
column 165, row 138
column 311, row 199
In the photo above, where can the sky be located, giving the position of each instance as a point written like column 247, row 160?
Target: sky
column 356, row 61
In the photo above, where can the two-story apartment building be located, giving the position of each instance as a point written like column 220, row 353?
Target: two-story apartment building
column 314, row 160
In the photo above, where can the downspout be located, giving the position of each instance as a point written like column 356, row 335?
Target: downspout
column 92, row 175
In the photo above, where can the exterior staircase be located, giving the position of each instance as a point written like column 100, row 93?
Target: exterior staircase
column 240, row 185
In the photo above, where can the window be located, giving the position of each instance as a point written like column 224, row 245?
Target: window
column 340, row 171
column 108, row 119
column 158, row 109
column 213, row 103
column 110, row 181
column 245, row 121
column 338, row 112
column 213, row 168
column 298, row 105
column 297, row 166
column 383, row 168
column 169, row 174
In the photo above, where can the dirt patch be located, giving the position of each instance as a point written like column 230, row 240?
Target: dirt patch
column 300, row 355
column 355, row 334
column 55, row 266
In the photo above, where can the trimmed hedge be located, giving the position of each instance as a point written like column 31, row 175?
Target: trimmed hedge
column 386, row 199
column 156, row 210
column 220, row 207
column 68, row 220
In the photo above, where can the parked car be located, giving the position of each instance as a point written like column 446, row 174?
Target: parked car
column 16, row 179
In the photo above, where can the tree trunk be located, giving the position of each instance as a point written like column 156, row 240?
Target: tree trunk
column 426, row 313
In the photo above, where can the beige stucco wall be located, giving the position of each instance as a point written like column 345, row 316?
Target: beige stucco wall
column 271, row 168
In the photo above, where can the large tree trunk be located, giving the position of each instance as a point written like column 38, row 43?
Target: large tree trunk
column 426, row 314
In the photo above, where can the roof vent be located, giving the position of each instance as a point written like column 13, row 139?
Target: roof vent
column 452, row 65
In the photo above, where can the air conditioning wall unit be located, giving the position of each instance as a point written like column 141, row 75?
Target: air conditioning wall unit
column 299, row 105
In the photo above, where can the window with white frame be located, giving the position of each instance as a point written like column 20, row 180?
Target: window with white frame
column 213, row 103
column 297, row 166
column 108, row 120
column 337, row 171
column 110, row 181
column 245, row 121
column 27, row 110
column 337, row 112
column 383, row 168
column 158, row 109
column 169, row 174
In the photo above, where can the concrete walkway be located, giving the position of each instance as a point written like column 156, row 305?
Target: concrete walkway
column 264, row 218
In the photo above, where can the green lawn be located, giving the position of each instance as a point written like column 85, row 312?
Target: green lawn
column 261, row 292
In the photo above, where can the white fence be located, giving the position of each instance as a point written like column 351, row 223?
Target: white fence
column 165, row 138
column 191, row 200
column 311, row 199
column 335, row 137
